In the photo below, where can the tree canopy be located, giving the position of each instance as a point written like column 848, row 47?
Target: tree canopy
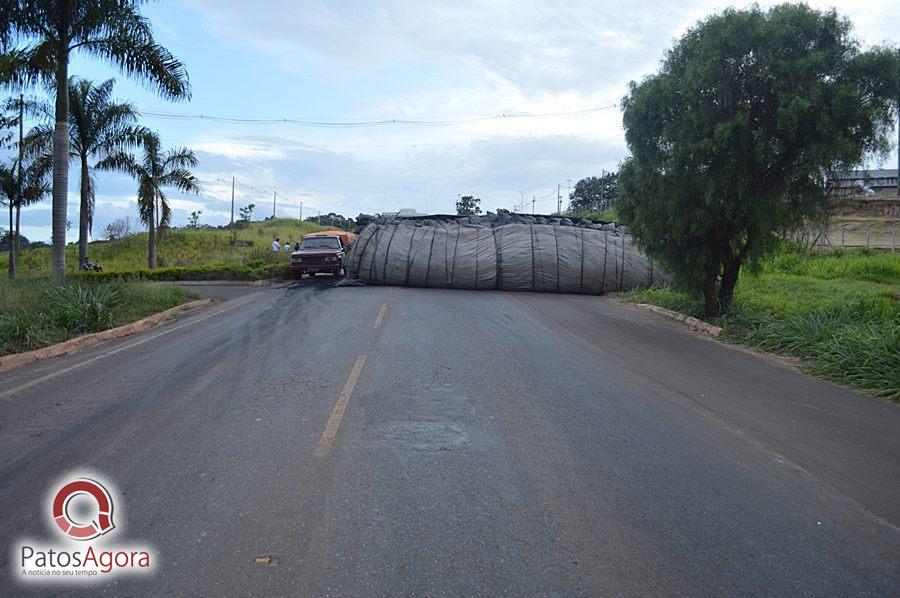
column 37, row 38
column 468, row 205
column 732, row 139
column 98, row 126
column 156, row 170
column 594, row 194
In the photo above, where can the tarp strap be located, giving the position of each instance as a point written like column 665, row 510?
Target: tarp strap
column 362, row 250
column 372, row 270
column 605, row 251
column 477, row 239
column 410, row 256
column 581, row 277
column 446, row 257
column 556, row 240
column 622, row 273
column 387, row 253
column 494, row 233
column 430, row 253
column 531, row 231
column 455, row 249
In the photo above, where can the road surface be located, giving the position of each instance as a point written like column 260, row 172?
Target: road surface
column 383, row 441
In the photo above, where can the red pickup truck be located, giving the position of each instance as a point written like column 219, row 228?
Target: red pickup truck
column 318, row 253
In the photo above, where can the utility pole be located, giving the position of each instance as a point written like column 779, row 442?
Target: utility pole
column 232, row 202
column 569, row 193
column 532, row 204
column 274, row 193
column 558, row 199
column 301, row 210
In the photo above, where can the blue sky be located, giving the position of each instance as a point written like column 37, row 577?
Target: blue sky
column 325, row 60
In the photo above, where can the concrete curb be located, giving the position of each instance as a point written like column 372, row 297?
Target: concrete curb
column 693, row 323
column 79, row 343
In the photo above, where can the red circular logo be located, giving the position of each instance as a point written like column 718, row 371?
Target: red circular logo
column 81, row 530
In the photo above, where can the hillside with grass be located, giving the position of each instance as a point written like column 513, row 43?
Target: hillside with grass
column 180, row 247
column 839, row 312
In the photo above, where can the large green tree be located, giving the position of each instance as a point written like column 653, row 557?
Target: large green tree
column 468, row 205
column 98, row 126
column 156, row 170
column 594, row 194
column 732, row 139
column 37, row 38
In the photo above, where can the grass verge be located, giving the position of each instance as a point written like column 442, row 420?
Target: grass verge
column 176, row 248
column 253, row 270
column 39, row 313
column 839, row 312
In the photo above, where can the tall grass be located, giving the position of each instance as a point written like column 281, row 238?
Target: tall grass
column 839, row 312
column 37, row 313
column 176, row 247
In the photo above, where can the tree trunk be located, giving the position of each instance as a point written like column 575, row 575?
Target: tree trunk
column 84, row 211
column 151, row 240
column 729, row 280
column 61, row 147
column 710, row 301
column 12, row 243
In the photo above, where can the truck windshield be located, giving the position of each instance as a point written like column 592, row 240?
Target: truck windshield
column 321, row 243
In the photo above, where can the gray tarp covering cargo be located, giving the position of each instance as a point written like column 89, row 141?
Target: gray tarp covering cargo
column 511, row 256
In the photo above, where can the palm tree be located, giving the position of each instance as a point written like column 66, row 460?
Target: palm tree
column 156, row 170
column 38, row 37
column 98, row 126
column 23, row 181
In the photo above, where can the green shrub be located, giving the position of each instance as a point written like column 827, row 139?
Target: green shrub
column 838, row 311
column 37, row 313
column 81, row 308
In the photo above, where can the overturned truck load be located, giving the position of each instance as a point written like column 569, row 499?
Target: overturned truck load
column 510, row 252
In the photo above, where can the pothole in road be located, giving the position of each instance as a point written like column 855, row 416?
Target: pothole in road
column 426, row 436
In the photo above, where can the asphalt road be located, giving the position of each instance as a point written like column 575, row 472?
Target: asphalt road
column 388, row 442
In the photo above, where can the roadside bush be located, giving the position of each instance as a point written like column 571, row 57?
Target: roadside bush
column 837, row 311
column 37, row 313
column 22, row 330
column 82, row 308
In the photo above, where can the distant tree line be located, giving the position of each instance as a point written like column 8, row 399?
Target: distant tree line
column 332, row 220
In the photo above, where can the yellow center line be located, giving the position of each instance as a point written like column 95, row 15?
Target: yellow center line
column 145, row 339
column 381, row 313
column 323, row 447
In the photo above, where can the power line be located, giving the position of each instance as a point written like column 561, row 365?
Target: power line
column 347, row 124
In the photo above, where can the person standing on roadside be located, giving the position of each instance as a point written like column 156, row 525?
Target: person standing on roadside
column 276, row 245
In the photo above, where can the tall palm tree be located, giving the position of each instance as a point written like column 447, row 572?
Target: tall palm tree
column 98, row 126
column 156, row 170
column 37, row 38
column 25, row 180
